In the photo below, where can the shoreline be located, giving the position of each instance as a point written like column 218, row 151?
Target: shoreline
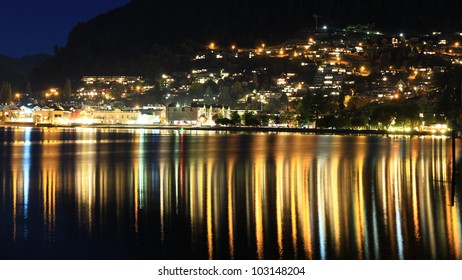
column 318, row 131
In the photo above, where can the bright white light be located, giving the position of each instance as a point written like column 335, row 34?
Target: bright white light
column 324, row 27
column 84, row 120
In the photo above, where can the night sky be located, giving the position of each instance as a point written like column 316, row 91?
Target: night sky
column 35, row 26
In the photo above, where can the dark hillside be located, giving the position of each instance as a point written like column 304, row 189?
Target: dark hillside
column 144, row 36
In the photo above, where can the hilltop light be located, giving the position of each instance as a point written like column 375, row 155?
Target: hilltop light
column 233, row 47
column 212, row 46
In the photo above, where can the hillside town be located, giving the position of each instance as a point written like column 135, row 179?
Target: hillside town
column 353, row 78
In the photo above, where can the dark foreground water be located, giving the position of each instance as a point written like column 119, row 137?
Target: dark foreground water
column 165, row 194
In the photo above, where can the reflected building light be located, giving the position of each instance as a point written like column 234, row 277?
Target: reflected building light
column 49, row 179
column 415, row 199
column 306, row 201
column 397, row 207
column 15, row 204
column 384, row 193
column 280, row 204
column 375, row 226
column 182, row 170
column 258, row 187
column 26, row 172
column 86, row 178
column 456, row 232
column 294, row 222
column 259, row 195
column 427, row 216
column 219, row 194
column 139, row 175
column 197, row 194
column 135, row 191
column 305, row 205
column 230, row 204
column 296, row 188
column 334, row 204
column 176, row 169
column 162, row 202
column 321, row 212
column 362, row 234
column 208, row 199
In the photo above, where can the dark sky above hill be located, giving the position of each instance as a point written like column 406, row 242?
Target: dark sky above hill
column 35, row 26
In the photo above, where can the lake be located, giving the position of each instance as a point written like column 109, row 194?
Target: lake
column 87, row 193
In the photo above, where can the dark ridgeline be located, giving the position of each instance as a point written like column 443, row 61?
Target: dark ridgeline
column 16, row 69
column 144, row 36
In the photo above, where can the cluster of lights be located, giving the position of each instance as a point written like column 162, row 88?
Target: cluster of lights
column 51, row 92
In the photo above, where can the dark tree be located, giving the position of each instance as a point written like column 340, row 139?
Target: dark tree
column 6, row 92
column 250, row 119
column 67, row 91
column 448, row 95
column 209, row 98
column 196, row 91
column 235, row 118
column 236, row 92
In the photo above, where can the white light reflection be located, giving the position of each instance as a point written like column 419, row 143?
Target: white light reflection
column 26, row 172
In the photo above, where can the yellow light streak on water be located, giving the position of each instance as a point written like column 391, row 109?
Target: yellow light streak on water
column 279, row 205
column 456, row 231
column 230, row 207
column 162, row 202
column 415, row 201
column 361, row 238
column 208, row 199
column 258, row 202
column 304, row 206
column 15, row 203
column 334, row 204
column 293, row 207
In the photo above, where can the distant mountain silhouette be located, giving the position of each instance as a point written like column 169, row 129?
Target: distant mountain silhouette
column 143, row 37
column 15, row 70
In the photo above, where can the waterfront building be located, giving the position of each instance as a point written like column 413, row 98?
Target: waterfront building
column 14, row 114
column 196, row 114
column 116, row 116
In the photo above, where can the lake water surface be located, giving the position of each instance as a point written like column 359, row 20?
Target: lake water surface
column 84, row 193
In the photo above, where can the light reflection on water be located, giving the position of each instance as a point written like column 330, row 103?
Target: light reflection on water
column 99, row 193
